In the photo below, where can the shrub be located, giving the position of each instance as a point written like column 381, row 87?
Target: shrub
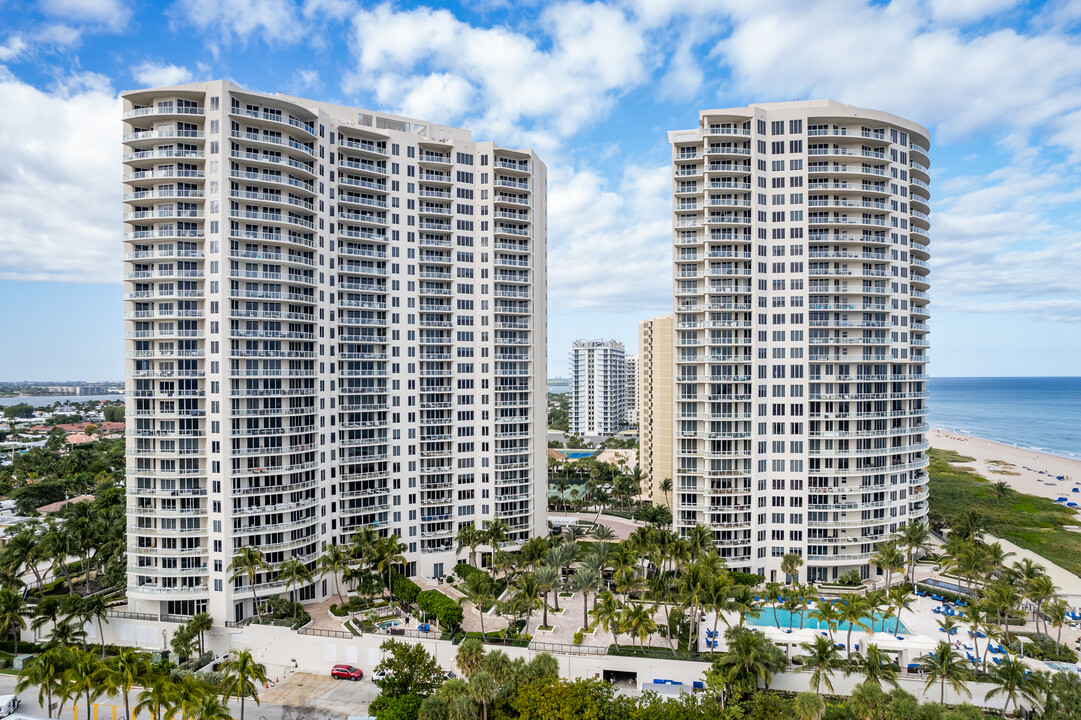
column 447, row 612
column 405, row 589
column 852, row 577
column 4, row 662
column 578, row 637
column 744, row 578
column 337, row 610
column 464, row 571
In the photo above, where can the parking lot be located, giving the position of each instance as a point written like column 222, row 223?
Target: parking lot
column 321, row 697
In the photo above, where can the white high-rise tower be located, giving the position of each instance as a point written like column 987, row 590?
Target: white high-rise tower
column 335, row 320
column 801, row 290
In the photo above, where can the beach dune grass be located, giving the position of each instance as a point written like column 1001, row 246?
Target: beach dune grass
column 1032, row 522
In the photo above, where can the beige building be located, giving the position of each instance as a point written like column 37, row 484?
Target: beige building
column 656, row 404
column 335, row 320
column 800, row 234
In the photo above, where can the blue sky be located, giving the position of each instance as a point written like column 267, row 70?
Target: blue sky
column 592, row 87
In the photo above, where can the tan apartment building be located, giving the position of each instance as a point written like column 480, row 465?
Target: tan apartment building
column 655, row 402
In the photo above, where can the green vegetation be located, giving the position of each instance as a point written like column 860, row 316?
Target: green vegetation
column 1034, row 523
column 559, row 406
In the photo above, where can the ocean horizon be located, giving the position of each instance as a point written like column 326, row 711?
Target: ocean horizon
column 1038, row 413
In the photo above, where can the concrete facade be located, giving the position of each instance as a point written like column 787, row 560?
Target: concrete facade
column 800, row 263
column 656, row 404
column 598, row 386
column 335, row 320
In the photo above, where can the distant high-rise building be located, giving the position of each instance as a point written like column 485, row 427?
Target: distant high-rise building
column 656, row 404
column 335, row 322
column 801, row 289
column 630, row 393
column 598, row 384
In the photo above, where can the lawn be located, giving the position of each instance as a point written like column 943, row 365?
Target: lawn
column 1031, row 522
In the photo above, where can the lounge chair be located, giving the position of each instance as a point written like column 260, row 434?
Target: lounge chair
column 996, row 661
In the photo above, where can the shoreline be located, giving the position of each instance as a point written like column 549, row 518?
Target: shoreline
column 1035, row 472
column 1065, row 455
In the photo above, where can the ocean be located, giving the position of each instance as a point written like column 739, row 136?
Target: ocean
column 1040, row 413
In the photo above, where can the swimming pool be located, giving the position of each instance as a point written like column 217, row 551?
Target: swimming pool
column 766, row 620
column 579, row 454
column 1065, row 667
column 947, row 586
column 390, row 623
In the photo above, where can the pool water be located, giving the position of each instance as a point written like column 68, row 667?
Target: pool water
column 947, row 586
column 766, row 620
column 390, row 623
column 579, row 454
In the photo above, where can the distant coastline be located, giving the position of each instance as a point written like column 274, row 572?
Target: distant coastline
column 1038, row 414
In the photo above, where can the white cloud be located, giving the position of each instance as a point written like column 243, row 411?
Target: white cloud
column 14, row 47
column 59, row 182
column 151, row 74
column 112, row 15
column 610, row 249
column 225, row 20
column 523, row 90
column 890, row 57
column 59, row 34
column 969, row 10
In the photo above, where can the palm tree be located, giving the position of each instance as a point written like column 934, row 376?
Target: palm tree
column 561, row 557
column 808, row 706
column 606, row 612
column 83, row 676
column 526, row 591
column 46, row 671
column 241, row 677
column 188, row 694
column 772, row 596
column 547, row 578
column 900, row 599
column 665, row 486
column 333, row 562
column 156, row 697
column 877, row 666
column 495, row 534
column 638, row 619
column 1004, row 598
column 585, row 580
column 23, row 549
column 945, row 665
column 479, row 589
column 470, row 656
column 483, row 688
column 826, row 613
column 1056, row 614
column 66, row 634
column 127, row 669
column 200, row 623
column 969, row 525
column 12, row 611
column 750, row 657
column 469, row 536
column 821, row 660
column 602, row 533
column 249, row 562
column 700, row 540
column 292, row 572
column 914, row 538
column 890, row 559
column 93, row 608
column 790, row 565
column 1011, row 678
column 851, row 609
column 211, row 708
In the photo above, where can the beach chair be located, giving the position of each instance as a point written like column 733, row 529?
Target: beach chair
column 996, row 661
column 936, row 610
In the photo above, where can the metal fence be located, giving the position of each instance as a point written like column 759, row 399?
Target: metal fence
column 566, row 649
column 319, row 632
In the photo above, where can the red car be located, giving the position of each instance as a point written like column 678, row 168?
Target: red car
column 346, row 672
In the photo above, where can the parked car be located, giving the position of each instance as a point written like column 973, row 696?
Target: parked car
column 380, row 674
column 346, row 672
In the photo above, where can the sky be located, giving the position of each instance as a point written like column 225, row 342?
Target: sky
column 592, row 87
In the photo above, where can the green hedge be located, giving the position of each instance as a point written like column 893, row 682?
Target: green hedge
column 405, row 589
column 465, row 570
column 447, row 612
column 744, row 578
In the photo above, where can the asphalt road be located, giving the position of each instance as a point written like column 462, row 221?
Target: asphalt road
column 313, row 695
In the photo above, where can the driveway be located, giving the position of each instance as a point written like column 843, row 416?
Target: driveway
column 321, row 697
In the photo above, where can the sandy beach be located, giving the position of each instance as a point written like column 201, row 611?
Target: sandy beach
column 1025, row 470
